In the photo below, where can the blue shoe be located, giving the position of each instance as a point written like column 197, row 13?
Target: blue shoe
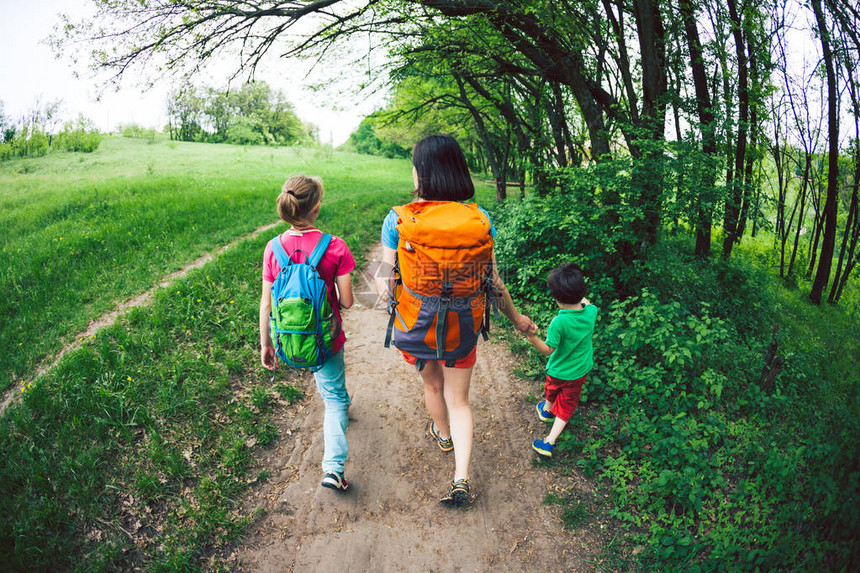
column 543, row 414
column 543, row 448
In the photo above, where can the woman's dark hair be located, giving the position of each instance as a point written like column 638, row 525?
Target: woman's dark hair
column 442, row 171
column 566, row 284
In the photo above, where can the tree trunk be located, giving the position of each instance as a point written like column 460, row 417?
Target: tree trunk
column 753, row 104
column 849, row 238
column 813, row 245
column 649, row 25
column 804, row 185
column 781, row 185
column 558, row 123
column 489, row 150
column 822, row 276
column 787, row 230
column 773, row 363
column 736, row 191
column 704, row 211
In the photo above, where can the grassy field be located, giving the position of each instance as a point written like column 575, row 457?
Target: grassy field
column 80, row 232
column 130, row 453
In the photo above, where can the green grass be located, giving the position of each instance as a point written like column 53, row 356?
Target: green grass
column 132, row 451
column 574, row 512
column 80, row 232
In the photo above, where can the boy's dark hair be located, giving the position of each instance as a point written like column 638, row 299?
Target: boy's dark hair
column 567, row 284
column 442, row 171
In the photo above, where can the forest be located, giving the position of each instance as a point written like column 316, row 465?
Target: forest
column 698, row 159
column 719, row 117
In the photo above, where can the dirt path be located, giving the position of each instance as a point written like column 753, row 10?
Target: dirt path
column 109, row 318
column 391, row 520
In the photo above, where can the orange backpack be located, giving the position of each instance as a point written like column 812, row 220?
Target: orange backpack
column 443, row 286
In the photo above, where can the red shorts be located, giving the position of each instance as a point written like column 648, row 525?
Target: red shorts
column 466, row 362
column 564, row 395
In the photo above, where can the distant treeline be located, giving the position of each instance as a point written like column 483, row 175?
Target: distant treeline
column 253, row 114
column 39, row 132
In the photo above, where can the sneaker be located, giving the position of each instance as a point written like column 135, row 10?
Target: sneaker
column 457, row 495
column 544, row 414
column 543, row 448
column 445, row 444
column 334, row 480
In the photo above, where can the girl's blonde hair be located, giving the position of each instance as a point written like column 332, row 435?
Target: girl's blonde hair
column 299, row 195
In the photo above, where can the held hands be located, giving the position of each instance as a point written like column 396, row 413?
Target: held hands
column 524, row 324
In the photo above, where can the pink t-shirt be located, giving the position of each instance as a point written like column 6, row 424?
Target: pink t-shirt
column 337, row 261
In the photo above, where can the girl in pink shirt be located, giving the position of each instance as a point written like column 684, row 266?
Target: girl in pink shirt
column 299, row 205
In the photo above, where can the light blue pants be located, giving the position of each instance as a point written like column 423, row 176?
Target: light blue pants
column 331, row 385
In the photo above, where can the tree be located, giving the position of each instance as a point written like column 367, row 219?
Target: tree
column 536, row 87
column 7, row 126
column 735, row 187
column 172, row 35
column 822, row 276
column 706, row 122
column 185, row 113
column 848, row 54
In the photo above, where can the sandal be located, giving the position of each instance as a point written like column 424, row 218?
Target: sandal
column 457, row 494
column 445, row 444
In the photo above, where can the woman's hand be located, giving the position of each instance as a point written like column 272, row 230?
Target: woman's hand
column 382, row 288
column 383, row 275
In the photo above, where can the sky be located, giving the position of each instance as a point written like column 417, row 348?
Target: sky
column 30, row 73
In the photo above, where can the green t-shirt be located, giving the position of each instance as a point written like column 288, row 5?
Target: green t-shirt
column 570, row 334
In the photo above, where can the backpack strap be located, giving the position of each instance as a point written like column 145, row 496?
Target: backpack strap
column 445, row 300
column 392, row 302
column 319, row 250
column 491, row 294
column 313, row 260
column 280, row 253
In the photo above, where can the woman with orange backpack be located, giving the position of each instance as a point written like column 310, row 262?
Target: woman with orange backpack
column 441, row 291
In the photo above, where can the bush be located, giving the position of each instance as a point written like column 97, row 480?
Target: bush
column 30, row 141
column 706, row 470
column 137, row 132
column 537, row 234
column 80, row 135
column 364, row 140
column 245, row 131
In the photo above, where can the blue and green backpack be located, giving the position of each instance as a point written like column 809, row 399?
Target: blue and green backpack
column 302, row 325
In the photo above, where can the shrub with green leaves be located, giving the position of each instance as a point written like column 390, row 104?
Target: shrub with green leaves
column 245, row 131
column 136, row 131
column 536, row 235
column 29, row 141
column 80, row 135
column 706, row 470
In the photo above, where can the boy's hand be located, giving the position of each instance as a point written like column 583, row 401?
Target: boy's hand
column 532, row 331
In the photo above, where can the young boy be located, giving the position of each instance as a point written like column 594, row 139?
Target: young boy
column 568, row 345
